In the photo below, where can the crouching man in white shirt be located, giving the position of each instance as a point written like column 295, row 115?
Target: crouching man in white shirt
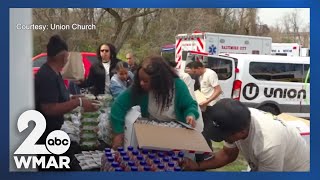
column 266, row 144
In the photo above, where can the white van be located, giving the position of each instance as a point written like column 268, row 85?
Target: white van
column 274, row 84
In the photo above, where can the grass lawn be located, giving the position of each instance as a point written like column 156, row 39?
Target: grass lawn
column 238, row 165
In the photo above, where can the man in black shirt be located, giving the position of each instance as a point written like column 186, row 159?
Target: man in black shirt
column 51, row 95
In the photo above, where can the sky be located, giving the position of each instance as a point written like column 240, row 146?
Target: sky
column 271, row 16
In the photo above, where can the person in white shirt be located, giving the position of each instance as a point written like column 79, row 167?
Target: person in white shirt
column 209, row 84
column 266, row 143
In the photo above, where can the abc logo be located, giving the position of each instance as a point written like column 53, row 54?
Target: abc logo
column 58, row 142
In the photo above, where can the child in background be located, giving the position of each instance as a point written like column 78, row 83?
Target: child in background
column 122, row 80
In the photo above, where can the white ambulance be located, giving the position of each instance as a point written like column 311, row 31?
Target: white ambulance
column 274, row 84
column 216, row 43
column 286, row 49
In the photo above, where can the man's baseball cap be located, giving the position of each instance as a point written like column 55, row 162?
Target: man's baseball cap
column 226, row 117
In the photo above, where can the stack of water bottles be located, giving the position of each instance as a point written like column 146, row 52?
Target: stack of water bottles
column 131, row 159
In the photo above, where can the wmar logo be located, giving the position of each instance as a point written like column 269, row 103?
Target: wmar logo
column 57, row 143
column 250, row 91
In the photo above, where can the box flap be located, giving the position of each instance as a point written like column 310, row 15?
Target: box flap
column 167, row 138
column 288, row 117
column 301, row 124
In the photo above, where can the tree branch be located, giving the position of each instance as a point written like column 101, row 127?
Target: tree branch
column 114, row 14
column 139, row 14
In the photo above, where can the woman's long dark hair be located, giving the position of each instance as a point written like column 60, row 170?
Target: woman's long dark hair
column 162, row 77
column 113, row 52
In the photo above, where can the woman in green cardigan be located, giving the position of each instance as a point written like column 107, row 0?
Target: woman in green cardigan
column 159, row 92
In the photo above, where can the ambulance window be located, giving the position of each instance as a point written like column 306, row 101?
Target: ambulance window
column 222, row 67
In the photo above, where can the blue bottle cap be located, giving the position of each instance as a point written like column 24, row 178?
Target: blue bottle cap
column 134, row 168
column 166, row 159
column 161, row 166
column 126, row 158
column 120, row 149
column 131, row 163
column 135, row 152
column 180, row 154
column 115, row 164
column 147, row 168
column 152, row 156
column 171, row 164
column 110, row 159
column 170, row 153
column 175, row 158
column 143, row 163
column 177, row 169
column 156, row 161
column 130, row 148
column 123, row 153
column 108, row 154
column 118, row 169
column 161, row 154
column 140, row 157
column 107, row 149
column 144, row 151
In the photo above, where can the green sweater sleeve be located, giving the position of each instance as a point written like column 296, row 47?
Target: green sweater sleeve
column 187, row 106
column 119, row 109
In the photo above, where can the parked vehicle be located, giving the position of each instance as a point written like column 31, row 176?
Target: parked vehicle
column 274, row 84
column 88, row 58
column 289, row 49
column 216, row 43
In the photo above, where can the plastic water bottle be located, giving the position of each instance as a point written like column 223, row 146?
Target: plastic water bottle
column 170, row 166
column 134, row 168
column 150, row 159
column 108, row 154
column 160, row 168
column 135, row 153
column 139, row 159
column 165, row 161
column 141, row 165
column 160, row 155
column 117, row 155
column 114, row 165
column 125, row 163
column 175, row 160
column 145, row 153
column 155, row 164
column 180, row 157
column 130, row 151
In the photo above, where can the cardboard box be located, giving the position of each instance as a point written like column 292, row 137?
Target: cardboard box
column 301, row 124
column 162, row 138
column 167, row 138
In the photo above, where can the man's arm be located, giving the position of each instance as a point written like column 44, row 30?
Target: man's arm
column 59, row 108
column 221, row 158
column 215, row 94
